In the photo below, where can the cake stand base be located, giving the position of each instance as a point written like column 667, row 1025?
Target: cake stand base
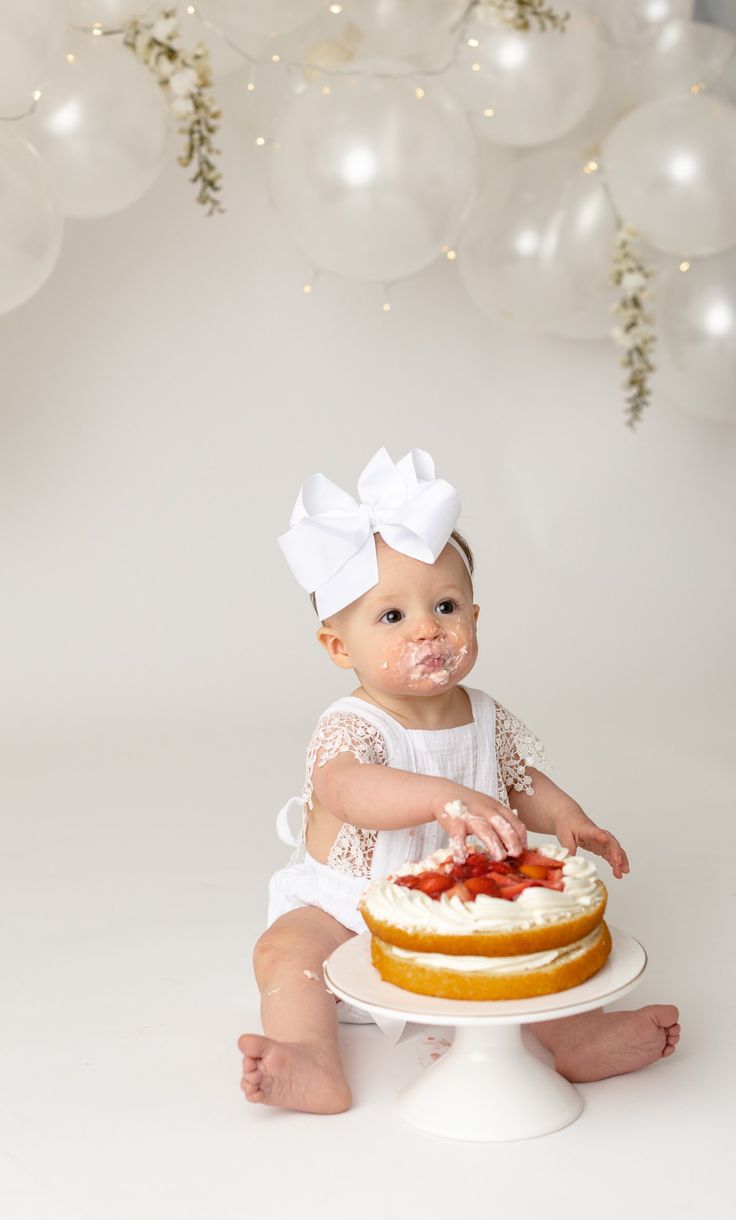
column 488, row 1086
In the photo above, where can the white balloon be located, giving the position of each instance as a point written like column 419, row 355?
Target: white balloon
column 102, row 125
column 31, row 223
column 31, row 34
column 682, row 57
column 528, row 87
column 671, row 167
column 244, row 19
column 538, row 253
column 629, row 21
column 110, row 14
column 371, row 180
column 696, row 314
column 419, row 31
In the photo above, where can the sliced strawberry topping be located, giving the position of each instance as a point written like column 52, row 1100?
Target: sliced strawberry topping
column 483, row 885
column 433, row 883
column 461, row 890
column 537, row 859
column 479, row 874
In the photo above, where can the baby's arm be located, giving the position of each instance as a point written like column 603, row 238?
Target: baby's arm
column 379, row 797
column 552, row 811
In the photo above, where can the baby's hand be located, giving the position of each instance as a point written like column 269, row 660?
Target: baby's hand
column 497, row 827
column 575, row 829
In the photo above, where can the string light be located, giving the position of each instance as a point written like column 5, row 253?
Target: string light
column 260, row 141
column 489, row 112
column 335, row 8
column 191, row 10
column 419, row 92
column 685, row 266
column 36, row 94
column 475, row 67
column 452, row 255
column 69, row 58
column 590, row 167
column 326, row 89
column 387, row 307
column 97, row 29
column 698, row 88
column 250, row 86
column 473, row 42
column 308, row 288
column 275, row 59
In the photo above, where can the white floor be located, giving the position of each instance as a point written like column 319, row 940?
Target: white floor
column 135, row 881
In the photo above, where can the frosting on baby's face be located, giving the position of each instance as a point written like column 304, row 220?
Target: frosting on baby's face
column 414, row 633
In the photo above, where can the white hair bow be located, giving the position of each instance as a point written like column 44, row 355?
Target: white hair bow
column 330, row 546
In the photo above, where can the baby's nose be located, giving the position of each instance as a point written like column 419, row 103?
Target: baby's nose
column 428, row 631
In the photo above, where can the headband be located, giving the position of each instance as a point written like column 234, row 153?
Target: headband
column 330, row 546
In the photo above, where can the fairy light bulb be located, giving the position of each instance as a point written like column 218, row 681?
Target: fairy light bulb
column 97, row 29
column 308, row 288
column 336, row 8
column 684, row 266
column 275, row 59
column 260, row 141
column 475, row 67
column 70, row 58
column 387, row 307
column 590, row 167
column 419, row 92
column 473, row 42
column 191, row 10
column 36, row 94
column 489, row 112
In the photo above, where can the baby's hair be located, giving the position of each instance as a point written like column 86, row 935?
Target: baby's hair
column 462, row 542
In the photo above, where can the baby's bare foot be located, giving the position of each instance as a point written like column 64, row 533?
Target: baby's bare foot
column 294, row 1075
column 600, row 1044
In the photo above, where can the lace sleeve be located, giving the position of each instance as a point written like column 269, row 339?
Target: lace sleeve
column 336, row 733
column 516, row 749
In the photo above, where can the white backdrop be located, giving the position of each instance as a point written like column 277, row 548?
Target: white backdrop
column 163, row 397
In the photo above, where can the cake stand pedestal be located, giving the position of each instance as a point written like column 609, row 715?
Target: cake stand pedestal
column 488, row 1086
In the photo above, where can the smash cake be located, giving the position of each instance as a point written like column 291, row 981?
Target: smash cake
column 486, row 929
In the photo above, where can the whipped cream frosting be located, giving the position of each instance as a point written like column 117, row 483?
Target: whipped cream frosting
column 534, row 907
column 521, row 963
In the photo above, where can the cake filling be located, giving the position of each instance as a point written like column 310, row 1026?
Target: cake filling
column 521, row 963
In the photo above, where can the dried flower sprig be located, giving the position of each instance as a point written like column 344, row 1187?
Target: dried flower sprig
column 186, row 77
column 519, row 14
column 633, row 333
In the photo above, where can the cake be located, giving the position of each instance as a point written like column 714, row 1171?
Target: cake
column 524, row 926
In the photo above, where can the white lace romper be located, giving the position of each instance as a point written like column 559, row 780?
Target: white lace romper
column 489, row 755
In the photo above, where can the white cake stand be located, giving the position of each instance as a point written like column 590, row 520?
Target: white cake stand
column 488, row 1085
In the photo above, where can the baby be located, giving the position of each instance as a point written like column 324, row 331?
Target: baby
column 400, row 614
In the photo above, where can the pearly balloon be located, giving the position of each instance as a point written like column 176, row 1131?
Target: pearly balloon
column 244, row 19
column 31, row 35
column 528, row 87
column 671, row 167
column 31, row 223
column 370, row 179
column 539, row 255
column 629, row 21
column 109, row 14
column 682, row 57
column 419, row 31
column 696, row 312
column 102, row 125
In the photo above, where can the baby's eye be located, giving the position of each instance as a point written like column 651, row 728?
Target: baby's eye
column 447, row 602
column 393, row 620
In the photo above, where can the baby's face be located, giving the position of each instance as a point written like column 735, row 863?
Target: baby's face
column 414, row 633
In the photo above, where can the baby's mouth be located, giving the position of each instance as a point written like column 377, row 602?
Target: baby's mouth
column 433, row 660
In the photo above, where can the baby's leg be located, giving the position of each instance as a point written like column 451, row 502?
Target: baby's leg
column 597, row 1044
column 296, row 1063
